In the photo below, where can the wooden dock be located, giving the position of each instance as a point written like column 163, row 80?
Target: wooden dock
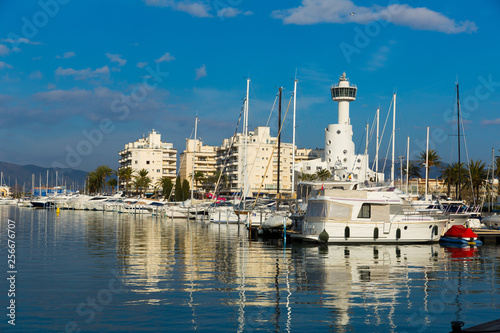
column 492, row 326
column 488, row 236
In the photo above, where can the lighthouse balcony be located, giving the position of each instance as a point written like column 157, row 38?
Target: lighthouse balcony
column 344, row 93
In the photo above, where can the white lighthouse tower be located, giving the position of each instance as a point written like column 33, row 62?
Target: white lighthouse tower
column 339, row 147
column 339, row 155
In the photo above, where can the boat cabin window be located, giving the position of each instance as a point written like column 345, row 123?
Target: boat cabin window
column 317, row 209
column 365, row 211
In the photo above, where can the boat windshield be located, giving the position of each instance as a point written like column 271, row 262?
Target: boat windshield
column 327, row 210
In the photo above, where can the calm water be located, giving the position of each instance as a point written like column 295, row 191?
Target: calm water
column 105, row 272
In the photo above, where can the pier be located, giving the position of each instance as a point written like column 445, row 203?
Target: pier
column 488, row 236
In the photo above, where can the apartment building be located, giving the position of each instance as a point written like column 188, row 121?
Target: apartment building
column 204, row 161
column 261, row 161
column 150, row 153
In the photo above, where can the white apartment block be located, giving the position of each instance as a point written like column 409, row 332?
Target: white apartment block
column 262, row 162
column 150, row 153
column 204, row 161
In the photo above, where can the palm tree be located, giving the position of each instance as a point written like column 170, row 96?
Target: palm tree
column 477, row 174
column 166, row 186
column 104, row 171
column 142, row 180
column 198, row 177
column 93, row 182
column 308, row 177
column 434, row 160
column 413, row 170
column 112, row 184
column 126, row 174
column 323, row 174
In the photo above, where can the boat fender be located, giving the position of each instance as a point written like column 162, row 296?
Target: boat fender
column 347, row 232
column 435, row 230
column 398, row 233
column 375, row 233
column 323, row 236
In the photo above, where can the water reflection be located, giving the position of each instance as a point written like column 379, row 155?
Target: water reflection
column 199, row 276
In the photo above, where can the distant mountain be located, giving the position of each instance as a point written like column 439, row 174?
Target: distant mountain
column 73, row 179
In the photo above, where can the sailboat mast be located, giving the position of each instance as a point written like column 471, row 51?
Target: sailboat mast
column 427, row 164
column 293, row 134
column 366, row 152
column 459, row 196
column 245, row 135
column 376, row 147
column 279, row 146
column 407, row 163
column 194, row 154
column 393, row 138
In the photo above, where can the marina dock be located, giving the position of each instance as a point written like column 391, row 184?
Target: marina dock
column 488, row 236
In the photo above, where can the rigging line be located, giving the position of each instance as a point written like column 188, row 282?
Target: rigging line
column 226, row 159
column 383, row 130
column 257, row 155
column 359, row 147
column 466, row 154
column 271, row 113
column 272, row 153
column 387, row 153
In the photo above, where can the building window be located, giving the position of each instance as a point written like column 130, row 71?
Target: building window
column 158, row 170
column 147, row 162
column 308, row 168
column 365, row 211
column 318, row 168
column 136, row 162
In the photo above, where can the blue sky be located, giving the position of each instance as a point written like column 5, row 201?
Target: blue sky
column 79, row 79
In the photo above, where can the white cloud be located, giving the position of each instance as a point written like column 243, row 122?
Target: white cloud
column 142, row 64
column 488, row 122
column 36, row 75
column 116, row 58
column 197, row 9
column 19, row 41
column 326, row 11
column 201, row 72
column 37, row 58
column 166, row 57
column 4, row 65
column 4, row 50
column 51, row 86
column 83, row 74
column 66, row 55
column 228, row 12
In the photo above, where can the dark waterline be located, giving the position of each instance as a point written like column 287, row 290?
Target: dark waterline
column 109, row 272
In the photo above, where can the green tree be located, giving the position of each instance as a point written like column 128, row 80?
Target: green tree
column 308, row 177
column 103, row 171
column 434, row 160
column 112, row 184
column 413, row 170
column 476, row 175
column 178, row 189
column 199, row 177
column 166, row 185
column 185, row 189
column 142, row 180
column 126, row 174
column 93, row 182
column 323, row 174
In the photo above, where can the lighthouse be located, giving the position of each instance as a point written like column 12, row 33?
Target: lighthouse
column 339, row 156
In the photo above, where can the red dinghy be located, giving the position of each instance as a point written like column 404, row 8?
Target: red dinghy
column 460, row 234
column 459, row 231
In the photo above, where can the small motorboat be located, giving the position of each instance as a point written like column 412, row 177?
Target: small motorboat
column 492, row 221
column 458, row 234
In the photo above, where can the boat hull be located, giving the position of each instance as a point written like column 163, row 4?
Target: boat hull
column 372, row 233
